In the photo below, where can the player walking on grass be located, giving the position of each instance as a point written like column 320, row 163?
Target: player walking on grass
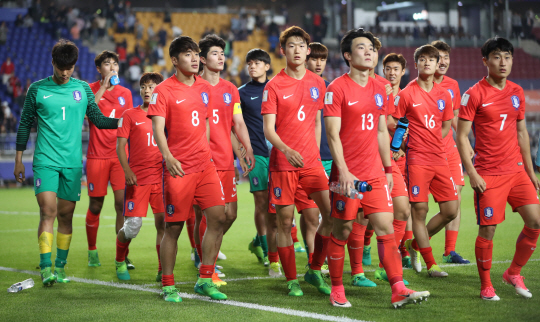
column 502, row 170
column 291, row 106
column 355, row 109
column 428, row 107
column 143, row 173
column 102, row 164
column 59, row 103
column 181, row 104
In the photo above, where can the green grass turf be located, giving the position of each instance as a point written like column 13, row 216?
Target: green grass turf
column 453, row 298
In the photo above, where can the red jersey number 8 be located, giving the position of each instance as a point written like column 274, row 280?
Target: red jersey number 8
column 195, row 118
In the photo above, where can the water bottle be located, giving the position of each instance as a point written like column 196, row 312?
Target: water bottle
column 402, row 126
column 115, row 80
column 17, row 287
column 356, row 191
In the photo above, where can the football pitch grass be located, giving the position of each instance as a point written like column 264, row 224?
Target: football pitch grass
column 96, row 294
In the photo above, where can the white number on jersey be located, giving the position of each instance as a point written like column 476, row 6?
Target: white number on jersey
column 195, row 118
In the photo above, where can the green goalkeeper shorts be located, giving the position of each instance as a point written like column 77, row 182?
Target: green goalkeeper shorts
column 65, row 182
column 258, row 177
column 327, row 164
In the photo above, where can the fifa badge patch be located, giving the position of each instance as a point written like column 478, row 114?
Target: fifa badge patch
column 379, row 100
column 120, row 121
column 204, row 96
column 328, row 98
column 314, row 91
column 38, row 182
column 170, row 210
column 77, row 96
column 488, row 212
column 265, row 96
column 153, row 100
column 515, row 101
column 440, row 105
column 131, row 205
column 340, row 205
column 277, row 192
column 451, row 93
column 415, row 190
column 255, row 181
column 227, row 98
column 91, row 186
column 465, row 99
column 121, row 100
column 396, row 101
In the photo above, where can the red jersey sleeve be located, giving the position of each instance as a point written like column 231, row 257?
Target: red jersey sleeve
column 457, row 98
column 469, row 105
column 448, row 113
column 332, row 101
column 124, row 125
column 521, row 114
column 158, row 104
column 269, row 100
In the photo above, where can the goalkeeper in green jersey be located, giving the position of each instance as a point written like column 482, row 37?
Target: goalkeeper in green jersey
column 59, row 103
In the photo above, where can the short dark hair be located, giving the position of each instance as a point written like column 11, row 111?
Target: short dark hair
column 105, row 55
column 441, row 45
column 377, row 43
column 210, row 41
column 182, row 44
column 426, row 50
column 393, row 57
column 151, row 77
column 496, row 44
column 65, row 54
column 258, row 54
column 318, row 50
column 348, row 38
column 293, row 31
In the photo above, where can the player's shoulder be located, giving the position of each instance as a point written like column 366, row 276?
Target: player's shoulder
column 382, row 80
column 450, row 81
column 131, row 111
column 124, row 90
column 378, row 85
column 243, row 88
column 274, row 80
column 94, row 86
column 202, row 85
column 37, row 84
column 312, row 76
column 514, row 87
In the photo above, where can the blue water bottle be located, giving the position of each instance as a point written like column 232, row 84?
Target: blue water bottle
column 115, row 80
column 362, row 186
column 402, row 126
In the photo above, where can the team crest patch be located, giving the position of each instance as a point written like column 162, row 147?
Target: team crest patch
column 328, row 98
column 379, row 100
column 204, row 96
column 515, row 101
column 121, row 100
column 340, row 205
column 415, row 190
column 170, row 210
column 488, row 212
column 314, row 91
column 91, row 186
column 440, row 105
column 255, row 181
column 131, row 205
column 277, row 192
column 77, row 96
column 38, row 183
column 451, row 93
column 227, row 98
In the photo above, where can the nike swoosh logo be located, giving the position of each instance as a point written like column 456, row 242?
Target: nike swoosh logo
column 352, row 103
column 222, row 198
column 254, row 97
column 484, row 105
column 233, row 195
column 178, row 102
column 137, row 123
column 101, row 99
column 45, row 97
column 415, row 105
column 286, row 97
column 390, row 204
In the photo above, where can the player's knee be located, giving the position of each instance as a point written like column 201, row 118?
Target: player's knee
column 47, row 213
column 132, row 226
column 95, row 206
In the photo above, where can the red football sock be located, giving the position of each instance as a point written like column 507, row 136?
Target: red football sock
column 319, row 253
column 483, row 250
column 408, row 235
column 399, row 230
column 288, row 261
column 525, row 245
column 450, row 241
column 355, row 244
column 310, row 258
column 336, row 259
column 427, row 254
column 121, row 249
column 294, row 234
column 389, row 256
column 273, row 257
column 190, row 226
column 92, row 225
column 206, row 271
column 367, row 236
column 158, row 257
column 414, row 245
column 167, row 280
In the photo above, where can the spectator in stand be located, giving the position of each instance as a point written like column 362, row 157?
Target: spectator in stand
column 28, row 22
column 308, row 23
column 517, row 25
column 10, row 121
column 134, row 75
column 176, row 31
column 529, row 23
column 130, row 22
column 164, row 72
column 120, row 22
column 250, row 26
column 19, row 21
column 416, row 31
column 160, row 56
column 273, row 40
column 110, row 15
column 3, row 33
column 15, row 87
column 7, row 70
column 162, row 34
column 122, row 55
column 150, row 31
column 35, row 9
column 139, row 30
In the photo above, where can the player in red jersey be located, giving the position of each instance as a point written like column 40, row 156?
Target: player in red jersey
column 355, row 118
column 224, row 115
column 394, row 68
column 428, row 106
column 502, row 170
column 452, row 154
column 180, row 104
column 291, row 106
column 143, row 174
column 102, row 165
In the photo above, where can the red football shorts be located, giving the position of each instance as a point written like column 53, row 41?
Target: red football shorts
column 284, row 184
column 98, row 174
column 374, row 201
column 137, row 198
column 301, row 201
column 456, row 168
column 228, row 180
column 202, row 187
column 402, row 165
column 516, row 188
column 437, row 179
column 399, row 189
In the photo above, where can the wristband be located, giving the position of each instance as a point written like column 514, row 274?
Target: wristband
column 388, row 169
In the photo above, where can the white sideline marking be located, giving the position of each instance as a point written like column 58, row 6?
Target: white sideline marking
column 33, row 213
column 267, row 308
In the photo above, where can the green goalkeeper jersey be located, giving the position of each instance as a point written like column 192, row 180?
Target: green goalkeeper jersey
column 60, row 111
